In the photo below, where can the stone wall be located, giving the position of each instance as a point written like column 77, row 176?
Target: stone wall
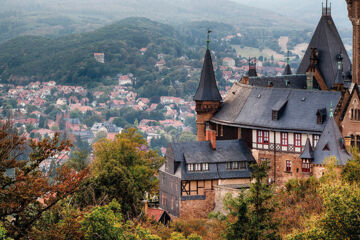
column 198, row 208
column 220, row 193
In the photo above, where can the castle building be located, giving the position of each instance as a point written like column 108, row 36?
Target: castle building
column 291, row 122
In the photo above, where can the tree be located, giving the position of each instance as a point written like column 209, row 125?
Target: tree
column 253, row 210
column 25, row 193
column 351, row 170
column 341, row 200
column 79, row 160
column 123, row 169
column 104, row 223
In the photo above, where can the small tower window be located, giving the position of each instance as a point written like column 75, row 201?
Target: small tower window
column 306, row 165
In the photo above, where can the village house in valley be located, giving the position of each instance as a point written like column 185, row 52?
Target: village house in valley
column 292, row 123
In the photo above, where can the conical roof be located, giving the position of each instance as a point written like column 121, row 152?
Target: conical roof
column 308, row 152
column 331, row 143
column 327, row 41
column 287, row 70
column 207, row 90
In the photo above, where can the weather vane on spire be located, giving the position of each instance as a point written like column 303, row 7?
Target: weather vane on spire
column 208, row 39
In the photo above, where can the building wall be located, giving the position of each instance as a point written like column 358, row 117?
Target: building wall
column 198, row 208
column 234, row 181
column 170, row 188
column 205, row 110
column 351, row 126
column 277, row 169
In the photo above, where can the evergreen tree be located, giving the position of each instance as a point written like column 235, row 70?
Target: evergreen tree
column 254, row 210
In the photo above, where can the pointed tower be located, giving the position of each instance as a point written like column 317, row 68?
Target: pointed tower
column 252, row 67
column 207, row 96
column 354, row 16
column 327, row 42
column 331, row 143
column 287, row 70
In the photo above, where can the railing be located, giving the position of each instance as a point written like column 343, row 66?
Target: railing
column 290, row 148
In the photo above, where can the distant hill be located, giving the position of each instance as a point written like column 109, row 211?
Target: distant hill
column 70, row 59
column 308, row 11
column 60, row 17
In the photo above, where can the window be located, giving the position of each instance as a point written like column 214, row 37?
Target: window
column 288, row 166
column 284, row 139
column 297, row 140
column 315, row 139
column 262, row 137
column 228, row 166
column 265, row 161
column 355, row 114
column 242, row 165
column 358, row 141
column 205, row 167
column 172, row 202
column 235, row 165
column 190, row 167
column 163, row 199
column 305, row 165
column 197, row 167
column 352, row 140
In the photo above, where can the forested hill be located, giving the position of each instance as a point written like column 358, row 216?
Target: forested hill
column 70, row 59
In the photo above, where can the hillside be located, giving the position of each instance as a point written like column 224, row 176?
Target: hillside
column 70, row 59
column 60, row 17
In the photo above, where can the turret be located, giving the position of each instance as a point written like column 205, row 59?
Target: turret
column 252, row 67
column 207, row 96
column 287, row 70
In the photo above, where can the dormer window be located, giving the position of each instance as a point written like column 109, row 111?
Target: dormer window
column 197, row 167
column 321, row 116
column 190, row 167
column 278, row 109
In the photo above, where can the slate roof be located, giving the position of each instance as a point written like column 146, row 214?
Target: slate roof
column 331, row 143
column 251, row 107
column 201, row 152
column 327, row 41
column 308, row 152
column 287, row 81
column 207, row 89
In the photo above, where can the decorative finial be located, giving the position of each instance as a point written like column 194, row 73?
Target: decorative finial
column 331, row 110
column 208, row 39
column 288, row 58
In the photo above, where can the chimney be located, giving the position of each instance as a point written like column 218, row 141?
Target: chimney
column 245, row 80
column 207, row 134
column 213, row 139
column 309, row 80
column 348, row 143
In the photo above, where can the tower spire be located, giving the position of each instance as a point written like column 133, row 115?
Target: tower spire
column 208, row 39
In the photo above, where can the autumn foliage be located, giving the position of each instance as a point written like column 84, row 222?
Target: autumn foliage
column 25, row 192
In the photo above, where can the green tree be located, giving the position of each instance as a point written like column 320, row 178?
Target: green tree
column 253, row 211
column 79, row 160
column 104, row 223
column 123, row 169
column 351, row 170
